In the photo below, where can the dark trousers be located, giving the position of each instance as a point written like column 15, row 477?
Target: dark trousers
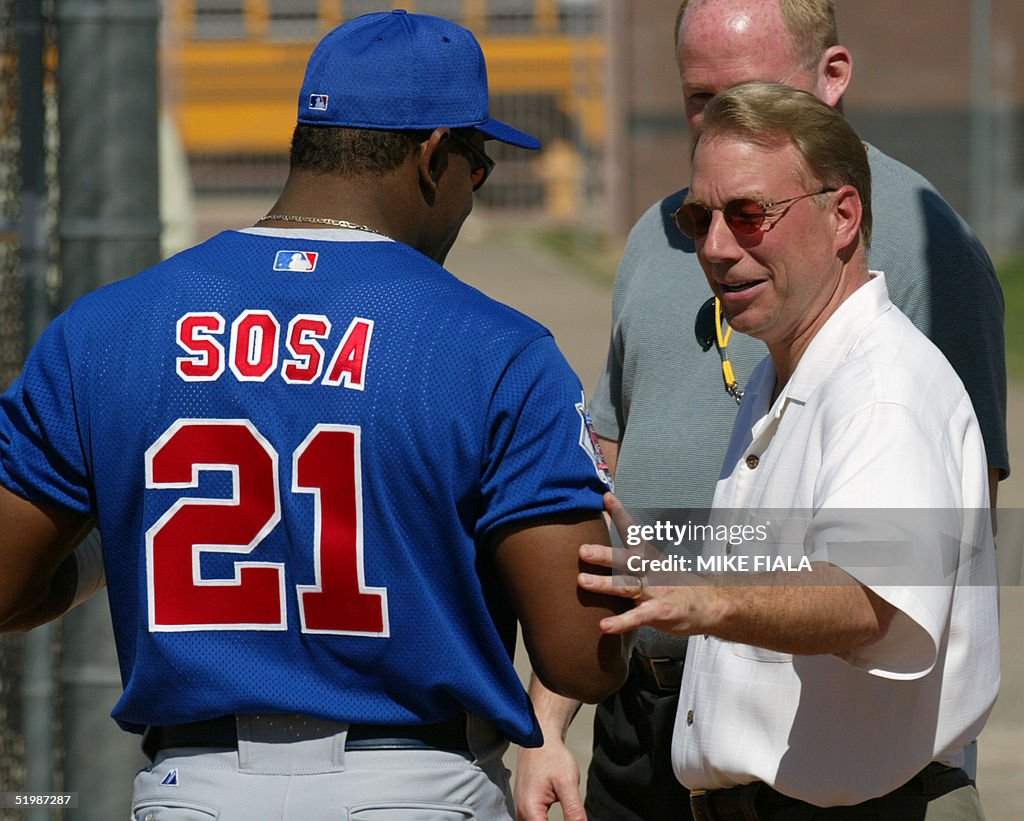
column 630, row 776
column 759, row 802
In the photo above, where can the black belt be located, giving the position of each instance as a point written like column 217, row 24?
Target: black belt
column 223, row 732
column 758, row 800
column 660, row 675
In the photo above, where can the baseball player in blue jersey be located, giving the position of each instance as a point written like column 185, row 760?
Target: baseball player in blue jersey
column 329, row 477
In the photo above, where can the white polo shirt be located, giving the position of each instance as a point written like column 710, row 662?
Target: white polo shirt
column 873, row 451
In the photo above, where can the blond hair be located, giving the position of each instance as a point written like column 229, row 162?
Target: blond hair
column 770, row 114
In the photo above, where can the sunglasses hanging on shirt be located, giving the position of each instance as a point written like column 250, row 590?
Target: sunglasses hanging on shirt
column 709, row 331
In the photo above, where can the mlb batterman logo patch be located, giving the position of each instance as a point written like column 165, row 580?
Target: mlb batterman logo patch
column 318, row 102
column 590, row 444
column 295, row 260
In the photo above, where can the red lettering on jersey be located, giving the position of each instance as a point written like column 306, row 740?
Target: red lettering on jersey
column 251, row 596
column 195, row 334
column 327, row 465
column 254, row 349
column 308, row 362
column 348, row 367
column 180, row 598
column 254, row 338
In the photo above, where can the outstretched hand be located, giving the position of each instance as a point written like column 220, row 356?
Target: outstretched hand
column 679, row 609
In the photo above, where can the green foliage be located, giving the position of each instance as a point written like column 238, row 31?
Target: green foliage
column 1011, row 275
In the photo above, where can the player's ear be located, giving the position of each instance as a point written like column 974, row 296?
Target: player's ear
column 433, row 161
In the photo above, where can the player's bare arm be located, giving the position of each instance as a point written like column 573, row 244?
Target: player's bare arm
column 36, row 549
column 549, row 774
column 538, row 565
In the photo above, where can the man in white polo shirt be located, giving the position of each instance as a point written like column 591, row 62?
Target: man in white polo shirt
column 855, row 684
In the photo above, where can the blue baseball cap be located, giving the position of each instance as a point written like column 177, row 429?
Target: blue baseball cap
column 397, row 71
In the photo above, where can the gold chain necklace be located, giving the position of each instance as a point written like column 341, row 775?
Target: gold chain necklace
column 320, row 221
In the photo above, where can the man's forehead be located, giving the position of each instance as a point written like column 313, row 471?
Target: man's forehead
column 733, row 166
column 725, row 43
column 720, row 74
column 724, row 68
column 729, row 18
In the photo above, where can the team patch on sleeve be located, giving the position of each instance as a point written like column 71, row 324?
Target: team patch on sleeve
column 295, row 260
column 590, row 444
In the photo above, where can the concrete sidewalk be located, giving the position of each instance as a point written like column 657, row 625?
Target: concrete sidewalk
column 578, row 312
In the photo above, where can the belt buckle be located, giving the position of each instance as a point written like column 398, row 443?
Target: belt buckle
column 653, row 667
column 700, row 806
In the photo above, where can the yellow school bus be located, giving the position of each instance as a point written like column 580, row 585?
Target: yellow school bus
column 231, row 69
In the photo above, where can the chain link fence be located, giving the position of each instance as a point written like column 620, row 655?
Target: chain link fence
column 12, row 752
column 11, row 332
column 15, row 649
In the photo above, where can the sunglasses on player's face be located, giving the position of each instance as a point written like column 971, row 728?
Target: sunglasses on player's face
column 481, row 165
column 743, row 216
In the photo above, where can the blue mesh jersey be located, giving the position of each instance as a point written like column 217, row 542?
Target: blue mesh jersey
column 296, row 449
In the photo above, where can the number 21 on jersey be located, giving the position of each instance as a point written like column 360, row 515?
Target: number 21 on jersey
column 326, row 466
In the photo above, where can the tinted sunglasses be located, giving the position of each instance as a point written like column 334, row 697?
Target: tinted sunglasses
column 743, row 216
column 480, row 165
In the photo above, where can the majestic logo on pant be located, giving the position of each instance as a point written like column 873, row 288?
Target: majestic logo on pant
column 171, row 779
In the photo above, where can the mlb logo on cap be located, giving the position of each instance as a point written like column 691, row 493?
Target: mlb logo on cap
column 295, row 260
column 318, row 102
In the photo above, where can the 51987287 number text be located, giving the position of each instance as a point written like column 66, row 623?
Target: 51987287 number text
column 24, row 799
